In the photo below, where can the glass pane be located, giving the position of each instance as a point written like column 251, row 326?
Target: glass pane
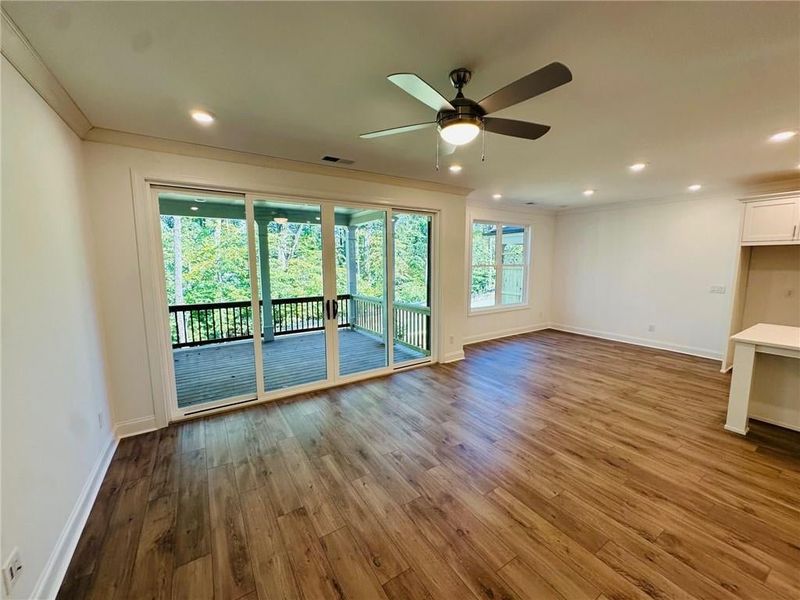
column 513, row 244
column 204, row 243
column 484, row 239
column 512, row 290
column 289, row 235
column 412, row 286
column 361, row 277
column 483, row 287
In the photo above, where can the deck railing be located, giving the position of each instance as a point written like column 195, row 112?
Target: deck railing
column 213, row 323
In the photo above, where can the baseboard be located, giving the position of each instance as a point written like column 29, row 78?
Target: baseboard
column 131, row 427
column 485, row 337
column 53, row 573
column 774, row 416
column 453, row 356
column 659, row 345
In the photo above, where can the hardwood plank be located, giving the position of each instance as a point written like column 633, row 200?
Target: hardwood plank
column 166, row 471
column 119, row 548
column 194, row 525
column 475, row 571
column 321, row 509
column 527, row 583
column 436, row 575
column 355, row 578
column 94, row 533
column 384, row 557
column 194, row 580
column 273, row 574
column 233, row 573
column 153, row 569
column 406, row 586
column 218, row 452
column 311, row 569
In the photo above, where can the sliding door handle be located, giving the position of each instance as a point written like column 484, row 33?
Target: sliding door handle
column 335, row 308
column 327, row 309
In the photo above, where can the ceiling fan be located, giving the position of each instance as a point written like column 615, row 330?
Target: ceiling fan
column 460, row 120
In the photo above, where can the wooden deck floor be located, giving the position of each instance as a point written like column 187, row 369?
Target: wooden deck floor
column 546, row 466
column 220, row 371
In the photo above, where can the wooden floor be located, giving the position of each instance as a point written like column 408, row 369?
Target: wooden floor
column 220, row 371
column 544, row 466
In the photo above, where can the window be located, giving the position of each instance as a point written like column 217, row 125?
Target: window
column 499, row 265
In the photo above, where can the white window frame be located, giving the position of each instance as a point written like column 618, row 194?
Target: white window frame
column 498, row 266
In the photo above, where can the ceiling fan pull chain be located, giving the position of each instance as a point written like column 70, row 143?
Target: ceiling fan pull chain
column 483, row 142
column 437, row 151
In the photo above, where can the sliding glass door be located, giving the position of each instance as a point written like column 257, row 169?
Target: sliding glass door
column 290, row 284
column 360, row 236
column 207, row 280
column 412, row 237
column 266, row 296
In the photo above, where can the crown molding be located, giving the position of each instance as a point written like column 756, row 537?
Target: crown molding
column 16, row 48
column 155, row 144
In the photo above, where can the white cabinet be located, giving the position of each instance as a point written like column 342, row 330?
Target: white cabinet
column 776, row 220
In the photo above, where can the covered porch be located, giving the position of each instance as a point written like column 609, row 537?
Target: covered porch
column 213, row 353
column 217, row 371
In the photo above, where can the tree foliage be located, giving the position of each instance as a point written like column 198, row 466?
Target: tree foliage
column 212, row 259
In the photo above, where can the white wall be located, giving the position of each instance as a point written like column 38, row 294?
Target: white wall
column 109, row 184
column 620, row 269
column 536, row 315
column 53, row 385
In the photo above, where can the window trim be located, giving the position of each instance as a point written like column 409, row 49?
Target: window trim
column 498, row 306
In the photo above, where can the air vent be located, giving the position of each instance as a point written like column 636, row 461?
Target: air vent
column 336, row 159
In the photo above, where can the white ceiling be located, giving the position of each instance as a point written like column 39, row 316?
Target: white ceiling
column 694, row 89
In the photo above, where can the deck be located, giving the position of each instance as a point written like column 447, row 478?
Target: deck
column 219, row 371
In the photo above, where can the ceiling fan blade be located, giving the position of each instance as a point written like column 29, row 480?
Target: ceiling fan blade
column 394, row 130
column 533, row 84
column 422, row 91
column 520, row 129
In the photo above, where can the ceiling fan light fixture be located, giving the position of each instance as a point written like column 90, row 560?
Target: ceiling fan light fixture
column 460, row 132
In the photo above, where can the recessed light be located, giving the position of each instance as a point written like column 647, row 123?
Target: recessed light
column 455, row 168
column 636, row 167
column 695, row 187
column 202, row 117
column 588, row 193
column 497, row 196
column 782, row 136
column 194, row 208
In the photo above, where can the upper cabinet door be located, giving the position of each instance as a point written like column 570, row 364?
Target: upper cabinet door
column 771, row 221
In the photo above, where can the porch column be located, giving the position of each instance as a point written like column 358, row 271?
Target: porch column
column 268, row 330
column 352, row 273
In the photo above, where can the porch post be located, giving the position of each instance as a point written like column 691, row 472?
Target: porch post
column 352, row 274
column 266, row 291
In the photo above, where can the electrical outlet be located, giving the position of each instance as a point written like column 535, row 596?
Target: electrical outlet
column 451, row 339
column 100, row 420
column 12, row 570
column 717, row 289
column 651, row 328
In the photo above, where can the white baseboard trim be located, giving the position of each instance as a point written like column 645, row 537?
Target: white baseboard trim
column 131, row 427
column 53, row 573
column 626, row 339
column 485, row 337
column 767, row 414
column 453, row 356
